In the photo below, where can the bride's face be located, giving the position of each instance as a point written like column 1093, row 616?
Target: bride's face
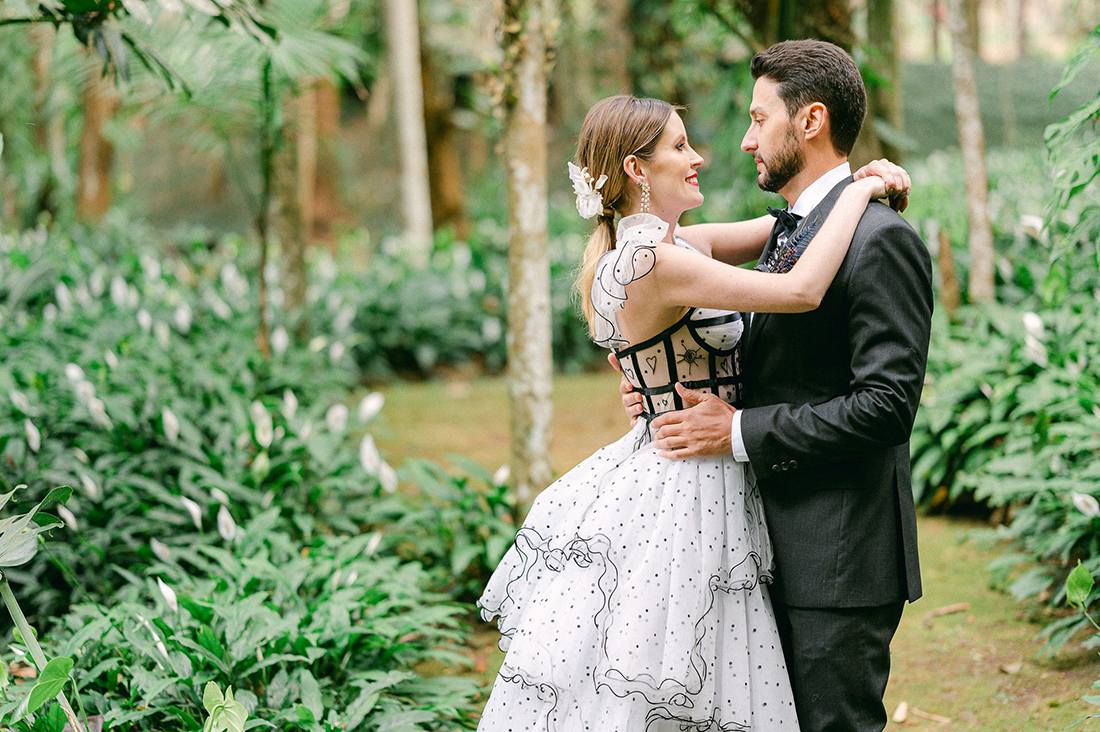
column 672, row 173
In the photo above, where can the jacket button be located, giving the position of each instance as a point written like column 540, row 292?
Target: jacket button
column 775, row 468
column 794, row 464
column 786, row 466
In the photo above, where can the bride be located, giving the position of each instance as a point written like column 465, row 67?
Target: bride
column 635, row 596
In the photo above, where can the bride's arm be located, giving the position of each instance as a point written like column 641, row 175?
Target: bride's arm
column 735, row 243
column 683, row 278
column 741, row 242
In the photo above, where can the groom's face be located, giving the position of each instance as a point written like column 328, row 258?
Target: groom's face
column 772, row 138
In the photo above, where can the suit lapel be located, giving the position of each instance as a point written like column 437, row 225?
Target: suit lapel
column 810, row 225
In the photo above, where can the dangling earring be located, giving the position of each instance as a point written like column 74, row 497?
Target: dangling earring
column 645, row 197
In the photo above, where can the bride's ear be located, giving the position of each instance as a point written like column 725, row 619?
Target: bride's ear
column 632, row 166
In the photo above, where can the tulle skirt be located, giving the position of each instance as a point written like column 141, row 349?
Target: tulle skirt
column 635, row 598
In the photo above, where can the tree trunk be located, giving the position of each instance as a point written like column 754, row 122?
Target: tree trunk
column 295, row 184
column 93, row 190
column 46, row 122
column 615, row 45
column 1021, row 29
column 972, row 142
column 949, row 282
column 444, row 161
column 935, row 10
column 884, row 99
column 529, row 359
column 327, row 210
column 972, row 10
column 404, row 38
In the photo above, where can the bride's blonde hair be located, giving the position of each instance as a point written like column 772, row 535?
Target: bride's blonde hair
column 613, row 129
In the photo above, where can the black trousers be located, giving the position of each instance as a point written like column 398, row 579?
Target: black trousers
column 839, row 661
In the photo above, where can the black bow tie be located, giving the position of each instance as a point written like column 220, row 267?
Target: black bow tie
column 784, row 220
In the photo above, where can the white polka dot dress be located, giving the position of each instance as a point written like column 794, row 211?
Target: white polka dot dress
column 635, row 596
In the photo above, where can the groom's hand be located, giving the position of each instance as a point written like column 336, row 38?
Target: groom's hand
column 632, row 400
column 700, row 430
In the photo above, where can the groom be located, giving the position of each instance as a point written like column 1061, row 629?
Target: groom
column 831, row 398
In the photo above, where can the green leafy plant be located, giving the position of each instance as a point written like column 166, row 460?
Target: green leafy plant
column 226, row 714
column 19, row 538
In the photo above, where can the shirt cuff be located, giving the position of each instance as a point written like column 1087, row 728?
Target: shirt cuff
column 737, row 442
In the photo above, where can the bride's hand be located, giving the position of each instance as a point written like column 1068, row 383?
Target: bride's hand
column 895, row 179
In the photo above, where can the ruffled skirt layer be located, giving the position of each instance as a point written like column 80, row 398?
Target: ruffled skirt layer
column 634, row 599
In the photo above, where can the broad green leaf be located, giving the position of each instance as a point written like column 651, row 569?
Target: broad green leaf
column 1078, row 585
column 311, row 694
column 50, row 682
column 211, row 696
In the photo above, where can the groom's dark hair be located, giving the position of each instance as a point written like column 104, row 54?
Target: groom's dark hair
column 816, row 71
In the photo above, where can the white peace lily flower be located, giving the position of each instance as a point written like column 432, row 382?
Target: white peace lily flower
column 306, row 430
column 145, row 320
column 370, row 405
column 317, row 343
column 336, row 577
column 388, row 477
column 1033, row 325
column 504, row 472
column 1035, row 350
column 83, row 295
column 162, row 552
column 589, row 199
column 263, row 427
column 64, row 297
column 67, row 516
column 280, row 340
column 233, row 281
column 280, row 433
column 372, row 545
column 491, row 330
column 227, row 527
column 49, row 313
column 220, row 496
column 120, row 291
column 99, row 412
column 111, row 359
column 243, row 440
column 169, row 595
column 89, row 487
column 290, row 405
column 170, row 423
column 151, row 267
column 337, row 417
column 85, row 392
column 34, row 437
column 369, row 456
column 267, row 499
column 20, row 401
column 73, row 372
column 337, row 351
column 1086, row 504
column 162, row 333
column 96, row 284
column 219, row 306
column 352, row 576
column 341, row 323
column 81, row 456
column 194, row 510
column 182, row 318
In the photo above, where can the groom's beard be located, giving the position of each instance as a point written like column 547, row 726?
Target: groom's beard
column 787, row 162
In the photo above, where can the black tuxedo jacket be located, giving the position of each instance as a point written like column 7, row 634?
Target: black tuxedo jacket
column 831, row 398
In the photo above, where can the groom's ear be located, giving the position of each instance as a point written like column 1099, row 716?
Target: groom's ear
column 815, row 120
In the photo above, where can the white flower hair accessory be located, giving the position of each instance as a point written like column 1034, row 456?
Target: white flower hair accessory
column 589, row 198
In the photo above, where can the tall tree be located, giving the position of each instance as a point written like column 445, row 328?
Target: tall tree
column 884, row 95
column 444, row 160
column 972, row 142
column 525, row 27
column 404, row 41
column 99, row 101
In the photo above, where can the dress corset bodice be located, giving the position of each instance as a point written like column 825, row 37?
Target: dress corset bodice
column 699, row 351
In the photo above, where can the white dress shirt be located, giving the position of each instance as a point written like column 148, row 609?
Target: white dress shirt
column 806, row 203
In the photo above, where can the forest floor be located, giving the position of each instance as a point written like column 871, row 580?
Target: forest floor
column 965, row 656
